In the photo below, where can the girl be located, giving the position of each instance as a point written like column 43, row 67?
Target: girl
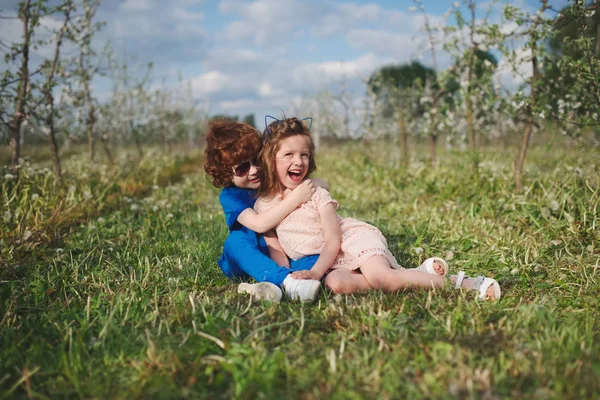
column 355, row 253
column 231, row 149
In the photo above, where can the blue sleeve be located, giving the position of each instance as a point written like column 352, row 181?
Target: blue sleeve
column 234, row 201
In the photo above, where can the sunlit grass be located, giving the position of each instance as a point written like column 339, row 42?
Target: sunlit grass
column 129, row 301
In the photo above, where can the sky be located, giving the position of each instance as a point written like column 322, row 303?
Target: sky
column 263, row 56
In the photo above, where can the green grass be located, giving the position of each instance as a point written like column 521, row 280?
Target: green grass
column 129, row 302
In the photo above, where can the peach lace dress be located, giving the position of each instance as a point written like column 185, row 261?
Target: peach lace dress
column 300, row 233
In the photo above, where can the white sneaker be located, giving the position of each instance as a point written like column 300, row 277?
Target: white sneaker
column 305, row 290
column 261, row 291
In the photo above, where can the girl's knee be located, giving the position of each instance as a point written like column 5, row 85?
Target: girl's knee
column 334, row 285
column 337, row 283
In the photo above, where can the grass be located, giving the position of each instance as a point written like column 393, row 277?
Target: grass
column 128, row 302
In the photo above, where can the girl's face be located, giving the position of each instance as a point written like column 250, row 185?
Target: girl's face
column 292, row 160
column 245, row 175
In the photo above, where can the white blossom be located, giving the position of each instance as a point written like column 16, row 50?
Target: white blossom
column 27, row 235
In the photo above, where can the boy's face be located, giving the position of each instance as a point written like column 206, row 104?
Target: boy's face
column 245, row 175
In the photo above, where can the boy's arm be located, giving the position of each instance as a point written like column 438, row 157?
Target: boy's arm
column 275, row 250
column 332, row 236
column 270, row 218
column 320, row 183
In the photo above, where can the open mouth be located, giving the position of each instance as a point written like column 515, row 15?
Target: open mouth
column 295, row 176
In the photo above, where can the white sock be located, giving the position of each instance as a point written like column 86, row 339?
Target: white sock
column 261, row 291
column 305, row 290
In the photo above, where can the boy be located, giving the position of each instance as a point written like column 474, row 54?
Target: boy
column 231, row 151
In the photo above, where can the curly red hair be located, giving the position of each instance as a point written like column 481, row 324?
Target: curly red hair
column 228, row 144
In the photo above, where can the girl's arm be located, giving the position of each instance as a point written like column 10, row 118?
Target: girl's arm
column 275, row 250
column 332, row 237
column 270, row 218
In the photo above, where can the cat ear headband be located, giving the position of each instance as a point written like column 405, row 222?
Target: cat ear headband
column 268, row 131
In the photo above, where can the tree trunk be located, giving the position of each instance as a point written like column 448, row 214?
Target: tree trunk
column 403, row 148
column 15, row 128
column 91, row 118
column 598, row 39
column 91, row 145
column 50, row 99
column 106, row 149
column 529, row 128
column 54, row 148
column 470, row 128
column 432, row 148
column 136, row 139
column 522, row 153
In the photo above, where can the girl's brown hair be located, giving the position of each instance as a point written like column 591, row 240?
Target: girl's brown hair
column 228, row 144
column 274, row 134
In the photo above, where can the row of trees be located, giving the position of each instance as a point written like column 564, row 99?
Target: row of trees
column 48, row 91
column 554, row 53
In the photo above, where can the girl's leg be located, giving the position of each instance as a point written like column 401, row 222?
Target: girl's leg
column 344, row 281
column 380, row 275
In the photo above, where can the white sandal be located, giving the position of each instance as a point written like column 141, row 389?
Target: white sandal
column 427, row 266
column 481, row 285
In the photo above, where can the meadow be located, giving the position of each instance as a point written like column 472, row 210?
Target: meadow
column 109, row 286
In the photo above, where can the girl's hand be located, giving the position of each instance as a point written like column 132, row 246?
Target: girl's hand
column 310, row 274
column 303, row 192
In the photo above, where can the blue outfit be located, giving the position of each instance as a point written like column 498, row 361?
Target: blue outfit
column 245, row 252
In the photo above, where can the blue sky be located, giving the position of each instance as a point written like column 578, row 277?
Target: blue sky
column 264, row 56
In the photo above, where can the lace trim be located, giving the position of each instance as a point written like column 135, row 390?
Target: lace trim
column 363, row 256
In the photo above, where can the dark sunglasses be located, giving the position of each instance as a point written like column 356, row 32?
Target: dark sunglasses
column 244, row 168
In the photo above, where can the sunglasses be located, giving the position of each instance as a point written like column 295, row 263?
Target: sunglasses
column 243, row 168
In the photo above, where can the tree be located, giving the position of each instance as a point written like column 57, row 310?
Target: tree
column 85, row 71
column 398, row 88
column 249, row 119
column 51, row 68
column 29, row 14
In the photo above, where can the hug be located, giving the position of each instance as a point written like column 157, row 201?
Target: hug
column 284, row 230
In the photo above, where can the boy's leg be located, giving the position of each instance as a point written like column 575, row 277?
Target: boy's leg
column 345, row 281
column 245, row 252
column 303, row 264
column 302, row 289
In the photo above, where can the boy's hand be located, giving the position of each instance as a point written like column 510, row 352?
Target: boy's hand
column 310, row 274
column 303, row 192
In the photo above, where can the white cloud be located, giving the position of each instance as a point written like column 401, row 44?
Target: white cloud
column 401, row 46
column 315, row 75
column 347, row 16
column 210, row 82
column 181, row 14
column 265, row 89
column 237, row 105
column 265, row 21
column 136, row 5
